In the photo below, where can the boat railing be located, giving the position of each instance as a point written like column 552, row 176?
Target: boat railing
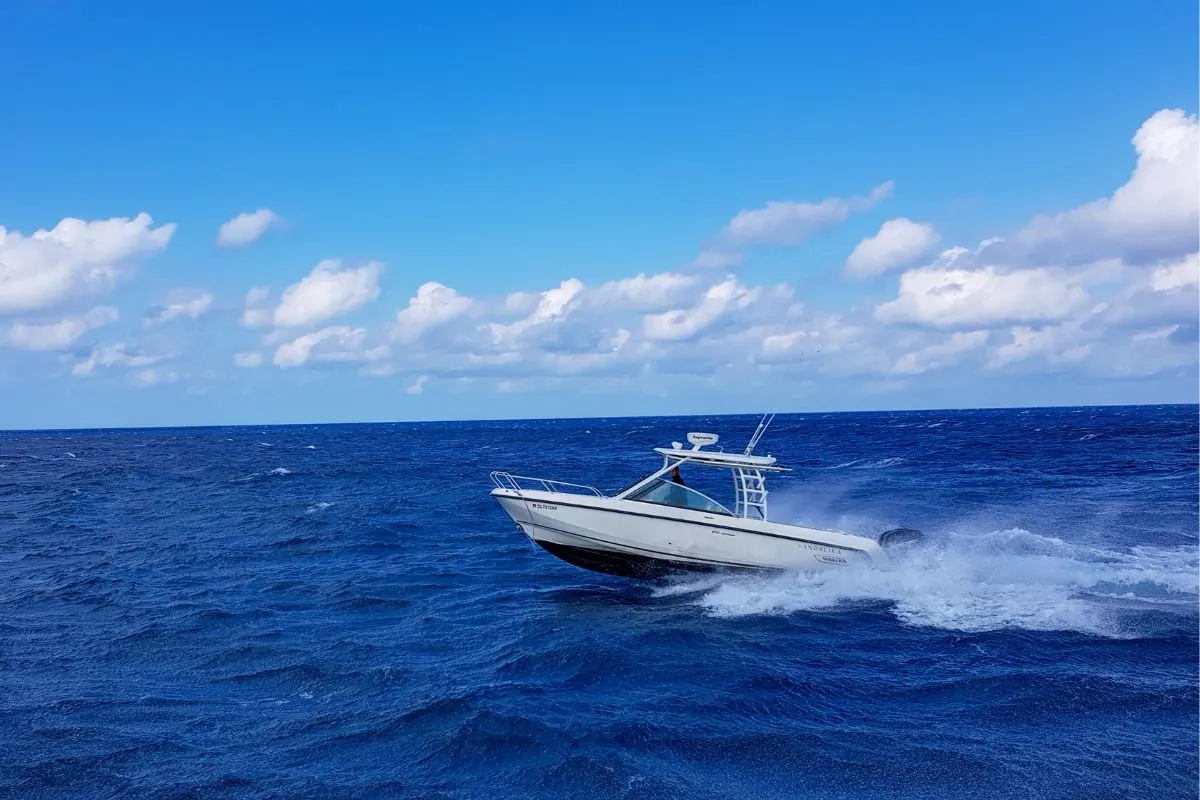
column 518, row 483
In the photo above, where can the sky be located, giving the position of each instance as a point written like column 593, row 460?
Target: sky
column 244, row 213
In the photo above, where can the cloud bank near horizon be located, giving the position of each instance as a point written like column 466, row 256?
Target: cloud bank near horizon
column 1105, row 290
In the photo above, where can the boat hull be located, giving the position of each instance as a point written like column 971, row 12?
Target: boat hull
column 642, row 540
column 624, row 565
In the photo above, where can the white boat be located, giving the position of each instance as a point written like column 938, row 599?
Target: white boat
column 659, row 525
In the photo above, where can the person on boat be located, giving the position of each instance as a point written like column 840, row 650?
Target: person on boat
column 675, row 495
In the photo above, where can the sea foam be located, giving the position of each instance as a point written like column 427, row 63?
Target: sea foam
column 1006, row 579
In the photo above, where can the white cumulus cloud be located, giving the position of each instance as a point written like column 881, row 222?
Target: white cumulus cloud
column 1155, row 215
column 335, row 343
column 786, row 223
column 433, row 305
column 899, row 243
column 1057, row 344
column 257, row 314
column 61, row 334
column 185, row 304
column 948, row 297
column 247, row 228
column 1177, row 275
column 326, row 292
column 554, row 305
column 940, row 354
column 678, row 324
column 75, row 257
column 113, row 355
column 645, row 293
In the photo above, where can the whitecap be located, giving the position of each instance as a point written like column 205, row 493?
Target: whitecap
column 280, row 471
column 883, row 463
column 879, row 463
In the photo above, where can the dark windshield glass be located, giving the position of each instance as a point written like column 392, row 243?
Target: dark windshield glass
column 668, row 493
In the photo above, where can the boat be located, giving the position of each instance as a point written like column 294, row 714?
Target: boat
column 659, row 525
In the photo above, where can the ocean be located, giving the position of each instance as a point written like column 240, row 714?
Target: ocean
column 342, row 611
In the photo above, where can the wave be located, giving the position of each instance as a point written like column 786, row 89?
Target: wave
column 863, row 463
column 280, row 471
column 1008, row 579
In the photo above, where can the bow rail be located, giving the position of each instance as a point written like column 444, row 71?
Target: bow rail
column 520, row 483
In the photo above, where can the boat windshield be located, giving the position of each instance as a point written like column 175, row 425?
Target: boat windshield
column 668, row 493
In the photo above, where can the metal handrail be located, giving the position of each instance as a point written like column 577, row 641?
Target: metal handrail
column 505, row 480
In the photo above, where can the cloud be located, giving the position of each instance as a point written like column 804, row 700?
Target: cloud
column 1155, row 215
column 326, row 292
column 941, row 354
column 61, row 334
column 644, row 293
column 146, row 378
column 433, row 305
column 256, row 313
column 247, row 228
column 950, row 297
column 717, row 260
column 186, row 304
column 1185, row 272
column 74, row 258
column 899, row 243
column 788, row 224
column 680, row 324
column 554, row 305
column 574, row 332
column 113, row 355
column 1058, row 344
column 607, row 352
column 966, row 312
column 1167, row 295
column 832, row 345
column 1148, row 326
column 336, row 343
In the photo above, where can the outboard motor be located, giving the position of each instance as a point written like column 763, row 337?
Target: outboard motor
column 900, row 538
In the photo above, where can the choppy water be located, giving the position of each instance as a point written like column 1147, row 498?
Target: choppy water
column 342, row 611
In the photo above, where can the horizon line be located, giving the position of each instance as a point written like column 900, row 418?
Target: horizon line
column 586, row 417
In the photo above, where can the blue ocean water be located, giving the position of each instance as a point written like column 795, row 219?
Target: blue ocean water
column 342, row 611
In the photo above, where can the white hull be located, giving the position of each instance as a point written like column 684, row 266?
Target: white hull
column 635, row 538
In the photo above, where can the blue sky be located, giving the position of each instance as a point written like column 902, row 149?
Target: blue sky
column 525, row 165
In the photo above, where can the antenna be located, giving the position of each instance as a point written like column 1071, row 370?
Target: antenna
column 763, row 424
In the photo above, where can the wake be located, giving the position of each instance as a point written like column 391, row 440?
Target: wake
column 1007, row 579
